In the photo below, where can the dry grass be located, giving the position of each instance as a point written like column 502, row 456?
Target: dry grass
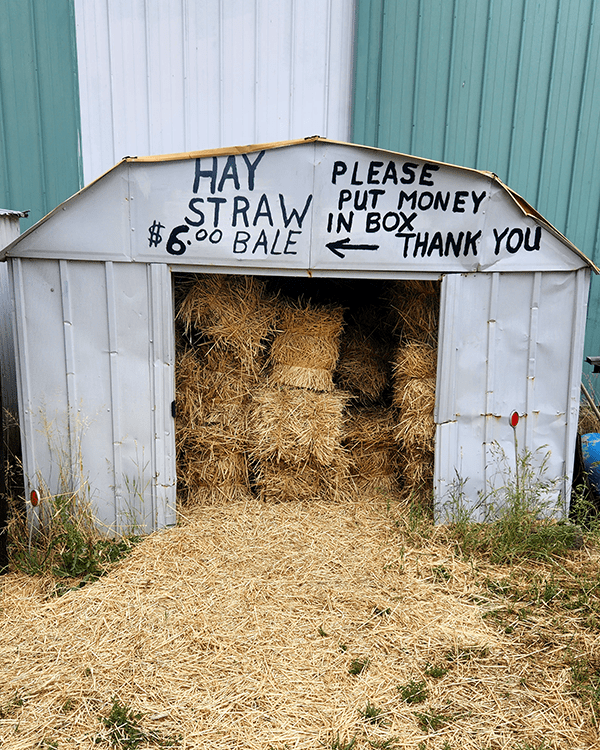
column 238, row 629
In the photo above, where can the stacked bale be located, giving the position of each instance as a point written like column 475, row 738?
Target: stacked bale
column 230, row 319
column 297, row 420
column 370, row 440
column 414, row 374
column 363, row 367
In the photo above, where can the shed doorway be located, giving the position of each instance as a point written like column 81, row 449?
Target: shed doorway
column 293, row 388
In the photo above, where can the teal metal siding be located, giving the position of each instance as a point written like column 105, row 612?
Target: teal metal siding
column 40, row 163
column 508, row 86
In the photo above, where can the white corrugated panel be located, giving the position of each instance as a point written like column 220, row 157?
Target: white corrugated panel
column 161, row 77
column 9, row 230
column 503, row 345
column 103, row 426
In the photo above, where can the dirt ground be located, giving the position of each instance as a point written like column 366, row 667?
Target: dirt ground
column 300, row 625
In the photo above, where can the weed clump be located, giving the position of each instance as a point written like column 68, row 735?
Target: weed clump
column 516, row 515
column 65, row 543
column 124, row 730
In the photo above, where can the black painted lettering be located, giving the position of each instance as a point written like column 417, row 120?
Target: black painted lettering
column 345, row 224
column 229, row 173
column 263, row 210
column 408, row 220
column 345, row 196
column 209, row 173
column 293, row 213
column 200, row 214
column 458, row 207
column 289, row 242
column 375, row 193
column 421, row 244
column 477, row 200
column 272, row 250
column 391, row 221
column 499, row 238
column 374, row 168
column 405, row 198
column 454, row 244
column 252, row 165
column 175, row 246
column 409, row 170
column 201, row 235
column 406, row 238
column 217, row 203
column 241, row 241
column 426, row 173
column 354, row 180
column 512, row 244
column 537, row 241
column 441, row 201
column 471, row 242
column 373, row 222
column 339, row 168
column 216, row 236
column 329, row 222
column 261, row 242
column 360, row 205
column 241, row 204
column 425, row 201
column 436, row 244
column 390, row 174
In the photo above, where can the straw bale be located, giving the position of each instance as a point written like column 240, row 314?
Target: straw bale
column 416, row 304
column 280, row 481
column 296, row 426
column 362, row 367
column 417, row 472
column 233, row 312
column 412, row 360
column 308, row 378
column 416, row 426
column 369, row 437
column 306, row 348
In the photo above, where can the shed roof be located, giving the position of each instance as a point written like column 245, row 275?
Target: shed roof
column 311, row 204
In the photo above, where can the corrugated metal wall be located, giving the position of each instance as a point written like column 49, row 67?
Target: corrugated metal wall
column 158, row 77
column 39, row 106
column 503, row 85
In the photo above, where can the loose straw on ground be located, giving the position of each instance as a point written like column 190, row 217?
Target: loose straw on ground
column 238, row 629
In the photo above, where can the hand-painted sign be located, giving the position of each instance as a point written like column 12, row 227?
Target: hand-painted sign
column 330, row 205
column 312, row 204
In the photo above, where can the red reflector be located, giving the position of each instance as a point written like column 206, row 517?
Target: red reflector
column 514, row 419
column 34, row 497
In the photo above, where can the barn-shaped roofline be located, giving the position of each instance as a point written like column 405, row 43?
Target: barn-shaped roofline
column 420, row 214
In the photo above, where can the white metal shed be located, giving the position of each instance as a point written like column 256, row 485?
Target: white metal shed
column 94, row 304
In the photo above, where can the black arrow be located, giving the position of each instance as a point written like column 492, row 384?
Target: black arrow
column 338, row 245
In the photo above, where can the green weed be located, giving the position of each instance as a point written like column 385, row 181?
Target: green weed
column 373, row 715
column 358, row 665
column 338, row 744
column 124, row 730
column 517, row 511
column 414, row 692
column 389, row 744
column 433, row 670
column 431, row 721
column 10, row 708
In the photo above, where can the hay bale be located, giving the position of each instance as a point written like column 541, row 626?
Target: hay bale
column 363, row 367
column 413, row 360
column 233, row 312
column 416, row 305
column 369, row 438
column 280, row 481
column 417, row 471
column 415, row 425
column 296, row 426
column 306, row 348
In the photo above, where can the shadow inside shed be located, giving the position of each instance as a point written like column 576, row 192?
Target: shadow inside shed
column 294, row 388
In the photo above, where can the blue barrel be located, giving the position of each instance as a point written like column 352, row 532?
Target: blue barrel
column 590, row 450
